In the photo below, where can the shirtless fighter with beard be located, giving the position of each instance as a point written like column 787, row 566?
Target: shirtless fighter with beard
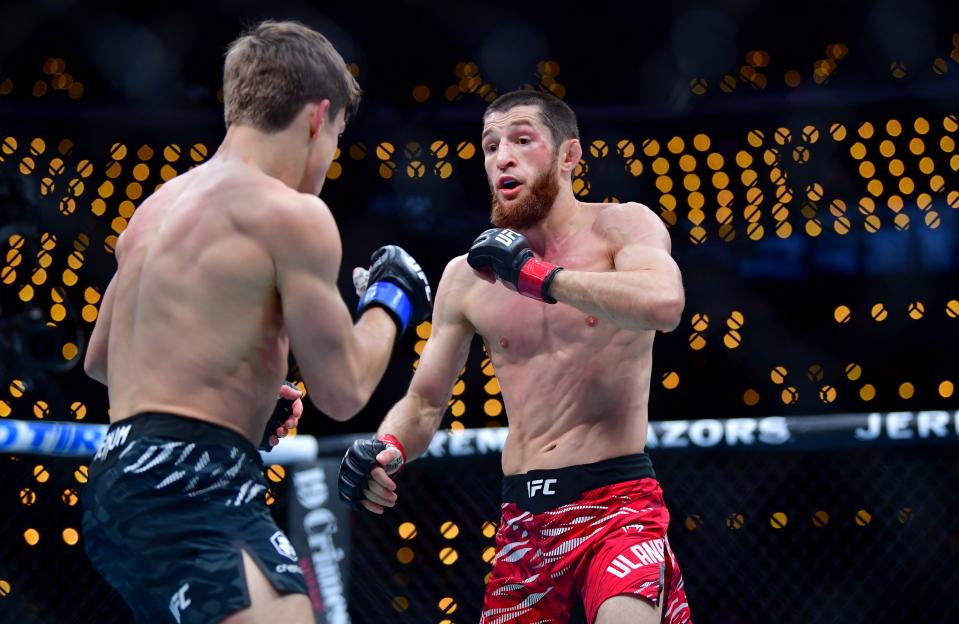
column 583, row 517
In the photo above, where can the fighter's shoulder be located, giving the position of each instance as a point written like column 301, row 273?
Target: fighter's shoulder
column 457, row 278
column 457, row 267
column 629, row 222
column 289, row 212
column 458, row 272
column 453, row 291
column 631, row 214
column 295, row 228
column 288, row 205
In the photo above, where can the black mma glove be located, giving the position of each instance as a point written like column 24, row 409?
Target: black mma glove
column 359, row 461
column 507, row 254
column 398, row 285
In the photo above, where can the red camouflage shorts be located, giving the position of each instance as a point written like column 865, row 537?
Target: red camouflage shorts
column 598, row 543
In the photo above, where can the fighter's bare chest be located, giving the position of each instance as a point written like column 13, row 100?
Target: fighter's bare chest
column 518, row 327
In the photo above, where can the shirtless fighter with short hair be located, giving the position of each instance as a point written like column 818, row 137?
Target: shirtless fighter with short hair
column 583, row 517
column 220, row 273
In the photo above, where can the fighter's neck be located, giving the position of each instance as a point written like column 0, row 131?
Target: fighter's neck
column 270, row 153
column 565, row 220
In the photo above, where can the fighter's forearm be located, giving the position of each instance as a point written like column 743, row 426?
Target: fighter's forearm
column 342, row 382
column 375, row 335
column 414, row 422
column 638, row 299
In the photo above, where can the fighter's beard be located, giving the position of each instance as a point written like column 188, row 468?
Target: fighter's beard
column 528, row 209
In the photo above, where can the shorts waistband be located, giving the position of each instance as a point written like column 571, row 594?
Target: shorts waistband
column 538, row 491
column 172, row 427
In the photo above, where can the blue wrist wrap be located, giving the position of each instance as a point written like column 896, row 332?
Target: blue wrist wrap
column 391, row 297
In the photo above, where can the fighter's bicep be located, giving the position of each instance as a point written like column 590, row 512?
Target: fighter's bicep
column 448, row 346
column 643, row 257
column 307, row 250
column 314, row 314
column 302, row 238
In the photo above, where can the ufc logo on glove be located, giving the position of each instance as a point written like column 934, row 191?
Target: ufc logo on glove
column 506, row 237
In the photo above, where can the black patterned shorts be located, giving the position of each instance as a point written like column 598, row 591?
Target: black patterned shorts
column 171, row 504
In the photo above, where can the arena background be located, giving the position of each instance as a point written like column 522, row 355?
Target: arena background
column 803, row 157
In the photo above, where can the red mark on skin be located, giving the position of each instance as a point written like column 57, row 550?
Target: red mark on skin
column 503, row 342
column 592, row 321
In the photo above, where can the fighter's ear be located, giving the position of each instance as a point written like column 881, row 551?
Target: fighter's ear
column 318, row 116
column 570, row 153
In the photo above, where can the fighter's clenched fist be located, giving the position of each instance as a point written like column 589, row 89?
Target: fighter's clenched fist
column 507, row 254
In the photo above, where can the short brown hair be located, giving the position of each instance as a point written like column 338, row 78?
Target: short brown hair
column 555, row 114
column 272, row 70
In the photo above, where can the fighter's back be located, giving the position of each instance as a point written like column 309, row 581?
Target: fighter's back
column 197, row 326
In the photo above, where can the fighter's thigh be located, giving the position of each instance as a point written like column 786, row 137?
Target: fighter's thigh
column 521, row 589
column 628, row 610
column 267, row 605
column 631, row 564
column 202, row 573
column 524, row 596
